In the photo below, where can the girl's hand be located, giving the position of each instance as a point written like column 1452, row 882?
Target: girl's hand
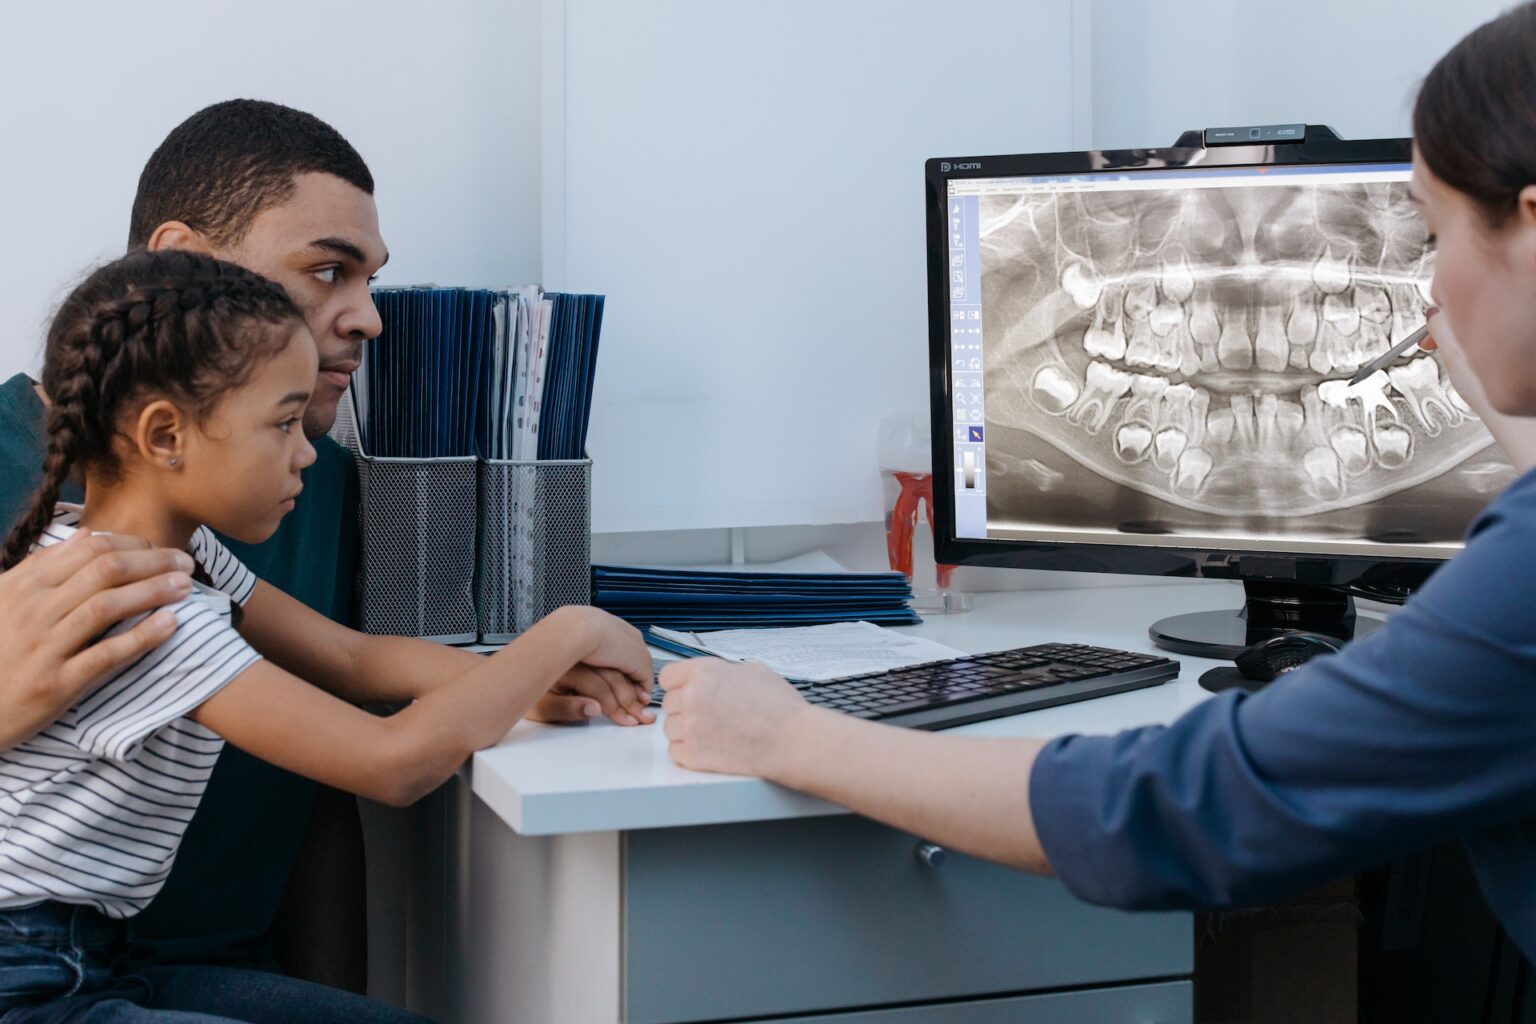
column 614, row 668
column 586, row 692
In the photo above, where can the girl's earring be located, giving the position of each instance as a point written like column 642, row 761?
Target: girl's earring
column 173, row 460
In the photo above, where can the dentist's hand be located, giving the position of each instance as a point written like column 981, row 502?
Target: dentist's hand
column 724, row 716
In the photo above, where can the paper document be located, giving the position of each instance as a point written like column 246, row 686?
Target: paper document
column 816, row 653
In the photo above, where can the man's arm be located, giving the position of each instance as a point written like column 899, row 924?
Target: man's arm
column 971, row 795
column 57, row 601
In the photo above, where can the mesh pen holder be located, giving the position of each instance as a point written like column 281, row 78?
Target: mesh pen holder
column 417, row 518
column 535, row 542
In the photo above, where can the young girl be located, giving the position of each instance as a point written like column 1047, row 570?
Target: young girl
column 177, row 384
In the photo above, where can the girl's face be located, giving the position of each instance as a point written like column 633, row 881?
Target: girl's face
column 242, row 464
column 1485, row 286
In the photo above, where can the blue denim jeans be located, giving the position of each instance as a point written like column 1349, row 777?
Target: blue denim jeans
column 56, row 967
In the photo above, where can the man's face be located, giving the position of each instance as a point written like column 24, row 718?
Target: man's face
column 324, row 247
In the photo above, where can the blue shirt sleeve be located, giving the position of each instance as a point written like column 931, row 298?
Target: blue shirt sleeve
column 1422, row 732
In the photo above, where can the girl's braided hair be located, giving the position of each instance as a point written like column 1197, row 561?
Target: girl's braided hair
column 172, row 325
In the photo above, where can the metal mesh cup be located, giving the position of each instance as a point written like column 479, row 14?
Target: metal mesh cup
column 417, row 521
column 535, row 542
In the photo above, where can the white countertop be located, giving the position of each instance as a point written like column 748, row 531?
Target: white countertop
column 598, row 777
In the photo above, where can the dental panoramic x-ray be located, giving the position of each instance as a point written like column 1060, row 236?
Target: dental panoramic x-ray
column 1170, row 355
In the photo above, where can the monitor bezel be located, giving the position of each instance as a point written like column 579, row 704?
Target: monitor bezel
column 1148, row 557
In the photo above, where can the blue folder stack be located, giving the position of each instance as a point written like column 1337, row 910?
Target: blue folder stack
column 461, row 372
column 708, row 599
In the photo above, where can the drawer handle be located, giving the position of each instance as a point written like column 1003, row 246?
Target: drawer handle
column 932, row 854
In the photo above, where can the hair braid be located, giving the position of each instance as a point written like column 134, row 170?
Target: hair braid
column 173, row 325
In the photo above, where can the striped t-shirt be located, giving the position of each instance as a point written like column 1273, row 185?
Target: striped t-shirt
column 93, row 808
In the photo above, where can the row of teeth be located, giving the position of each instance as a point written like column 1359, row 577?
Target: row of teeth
column 1336, row 430
column 1168, row 320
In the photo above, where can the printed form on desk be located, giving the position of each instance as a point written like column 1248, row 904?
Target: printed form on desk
column 815, row 653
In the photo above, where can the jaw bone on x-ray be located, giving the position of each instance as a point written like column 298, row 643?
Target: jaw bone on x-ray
column 1194, row 345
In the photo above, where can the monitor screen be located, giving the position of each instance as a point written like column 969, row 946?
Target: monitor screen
column 1159, row 355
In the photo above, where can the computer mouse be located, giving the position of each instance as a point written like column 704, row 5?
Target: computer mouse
column 1270, row 658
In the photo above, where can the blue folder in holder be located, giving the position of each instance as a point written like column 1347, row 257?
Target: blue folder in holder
column 713, row 599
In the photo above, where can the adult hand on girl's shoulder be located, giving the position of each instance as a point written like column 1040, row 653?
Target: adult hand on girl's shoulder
column 57, row 601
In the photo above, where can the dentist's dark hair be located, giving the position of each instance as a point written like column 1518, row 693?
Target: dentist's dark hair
column 1473, row 122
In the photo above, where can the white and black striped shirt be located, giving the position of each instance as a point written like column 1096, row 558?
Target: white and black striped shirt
column 93, row 808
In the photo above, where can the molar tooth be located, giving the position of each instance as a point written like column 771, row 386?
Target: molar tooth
column 1234, row 350
column 1270, row 349
column 1053, row 389
column 1299, row 357
column 1350, row 446
column 1146, row 396
column 1193, row 469
column 1178, row 280
column 1103, row 388
column 1108, row 342
column 1419, row 383
column 1141, row 350
column 1082, row 283
column 1331, row 273
column 1321, row 360
column 1323, row 473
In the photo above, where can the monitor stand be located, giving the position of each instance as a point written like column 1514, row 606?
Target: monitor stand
column 1271, row 607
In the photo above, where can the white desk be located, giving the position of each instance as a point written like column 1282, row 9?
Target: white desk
column 579, row 877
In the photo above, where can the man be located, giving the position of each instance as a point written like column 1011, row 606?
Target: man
column 282, row 193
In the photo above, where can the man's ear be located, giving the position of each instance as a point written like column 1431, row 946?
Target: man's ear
column 173, row 234
column 160, row 435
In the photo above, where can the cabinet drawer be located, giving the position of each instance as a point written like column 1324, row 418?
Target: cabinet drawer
column 820, row 914
column 1168, row 1003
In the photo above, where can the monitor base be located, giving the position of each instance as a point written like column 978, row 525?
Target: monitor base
column 1271, row 608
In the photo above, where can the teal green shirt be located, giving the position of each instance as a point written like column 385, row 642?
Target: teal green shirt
column 221, row 899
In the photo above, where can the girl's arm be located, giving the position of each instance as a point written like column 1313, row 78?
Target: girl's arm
column 273, row 715
column 361, row 668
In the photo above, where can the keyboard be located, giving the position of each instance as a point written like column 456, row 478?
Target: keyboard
column 943, row 694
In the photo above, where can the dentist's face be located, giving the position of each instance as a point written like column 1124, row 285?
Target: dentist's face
column 1485, row 286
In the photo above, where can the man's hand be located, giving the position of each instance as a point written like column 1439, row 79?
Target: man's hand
column 613, row 677
column 727, row 717
column 57, row 601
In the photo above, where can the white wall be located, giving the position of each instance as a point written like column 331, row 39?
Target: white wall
column 1162, row 67
column 442, row 102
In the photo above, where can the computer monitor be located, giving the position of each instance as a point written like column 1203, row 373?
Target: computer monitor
column 1140, row 364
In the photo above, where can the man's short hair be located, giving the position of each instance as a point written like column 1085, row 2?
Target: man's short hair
column 227, row 163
